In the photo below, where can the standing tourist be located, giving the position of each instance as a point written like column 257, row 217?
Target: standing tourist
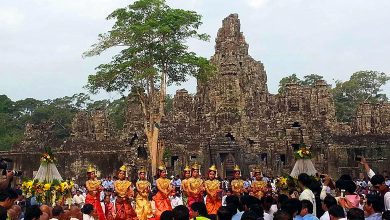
column 94, row 188
column 304, row 183
column 195, row 186
column 164, row 188
column 124, row 193
column 237, row 183
column 184, row 184
column 143, row 207
column 213, row 200
column 258, row 187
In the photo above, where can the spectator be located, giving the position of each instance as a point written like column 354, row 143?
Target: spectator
column 32, row 213
column 328, row 202
column 355, row 214
column 386, row 215
column 336, row 212
column 78, row 199
column 249, row 215
column 304, row 183
column 181, row 212
column 378, row 183
column 224, row 213
column 373, row 207
column 233, row 203
column 292, row 207
column 227, row 193
column 176, row 199
column 167, row 215
column 199, row 211
column 87, row 211
column 57, row 213
column 307, row 211
column 281, row 215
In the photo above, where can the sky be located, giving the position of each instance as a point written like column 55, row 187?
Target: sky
column 42, row 41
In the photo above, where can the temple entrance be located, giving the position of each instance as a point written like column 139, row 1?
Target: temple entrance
column 228, row 166
column 224, row 153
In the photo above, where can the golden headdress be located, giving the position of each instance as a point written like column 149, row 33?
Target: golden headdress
column 195, row 166
column 256, row 170
column 90, row 169
column 236, row 168
column 213, row 168
column 123, row 168
column 142, row 170
column 161, row 167
column 187, row 168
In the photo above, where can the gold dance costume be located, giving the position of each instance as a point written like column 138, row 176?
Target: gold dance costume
column 124, row 210
column 213, row 201
column 237, row 186
column 259, row 188
column 161, row 199
column 143, row 207
column 195, row 190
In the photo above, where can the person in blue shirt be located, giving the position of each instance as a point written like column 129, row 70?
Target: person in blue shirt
column 306, row 211
column 373, row 207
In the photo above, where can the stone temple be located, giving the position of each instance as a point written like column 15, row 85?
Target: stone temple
column 232, row 119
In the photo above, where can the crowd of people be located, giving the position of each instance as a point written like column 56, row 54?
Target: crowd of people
column 202, row 198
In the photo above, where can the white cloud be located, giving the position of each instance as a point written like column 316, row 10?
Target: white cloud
column 10, row 19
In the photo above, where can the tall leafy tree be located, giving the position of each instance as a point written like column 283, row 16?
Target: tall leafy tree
column 310, row 80
column 362, row 87
column 288, row 79
column 154, row 54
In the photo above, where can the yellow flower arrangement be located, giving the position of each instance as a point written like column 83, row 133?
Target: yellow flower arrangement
column 46, row 187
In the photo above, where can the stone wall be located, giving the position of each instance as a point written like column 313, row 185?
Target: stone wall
column 232, row 119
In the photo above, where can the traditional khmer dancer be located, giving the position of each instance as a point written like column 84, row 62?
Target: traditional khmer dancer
column 164, row 187
column 122, row 187
column 195, row 186
column 143, row 207
column 213, row 200
column 94, row 188
column 184, row 184
column 237, row 184
column 258, row 187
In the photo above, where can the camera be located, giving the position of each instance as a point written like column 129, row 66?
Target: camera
column 5, row 164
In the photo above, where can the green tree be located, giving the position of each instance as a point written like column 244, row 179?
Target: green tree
column 6, row 104
column 288, row 79
column 310, row 80
column 362, row 87
column 154, row 55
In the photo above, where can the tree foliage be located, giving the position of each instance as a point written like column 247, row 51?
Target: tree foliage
column 362, row 87
column 15, row 115
column 154, row 55
column 308, row 80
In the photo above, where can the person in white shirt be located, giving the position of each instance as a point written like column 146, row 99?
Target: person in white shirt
column 227, row 193
column 78, row 199
column 88, row 212
column 328, row 202
column 304, row 182
column 176, row 199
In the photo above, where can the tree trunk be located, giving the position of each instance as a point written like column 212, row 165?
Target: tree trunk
column 153, row 149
